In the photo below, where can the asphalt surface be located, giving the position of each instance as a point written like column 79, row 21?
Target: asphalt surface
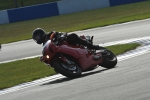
column 128, row 81
column 110, row 33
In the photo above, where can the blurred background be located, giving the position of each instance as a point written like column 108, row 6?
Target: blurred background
column 9, row 4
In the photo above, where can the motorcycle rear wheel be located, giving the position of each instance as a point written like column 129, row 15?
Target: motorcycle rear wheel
column 109, row 60
column 70, row 71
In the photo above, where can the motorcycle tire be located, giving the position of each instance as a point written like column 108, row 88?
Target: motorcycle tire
column 109, row 60
column 73, row 71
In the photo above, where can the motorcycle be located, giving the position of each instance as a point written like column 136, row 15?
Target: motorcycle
column 71, row 60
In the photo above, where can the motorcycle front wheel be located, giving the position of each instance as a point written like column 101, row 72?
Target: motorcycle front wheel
column 71, row 70
column 109, row 59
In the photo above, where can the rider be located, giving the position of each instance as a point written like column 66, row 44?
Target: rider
column 40, row 36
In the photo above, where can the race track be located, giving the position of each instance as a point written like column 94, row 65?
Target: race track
column 111, row 33
column 128, row 81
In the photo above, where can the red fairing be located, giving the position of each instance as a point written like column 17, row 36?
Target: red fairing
column 84, row 58
column 72, row 60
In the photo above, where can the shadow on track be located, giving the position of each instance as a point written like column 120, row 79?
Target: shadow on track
column 65, row 79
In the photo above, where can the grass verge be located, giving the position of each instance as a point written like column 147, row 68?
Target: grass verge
column 22, row 71
column 76, row 21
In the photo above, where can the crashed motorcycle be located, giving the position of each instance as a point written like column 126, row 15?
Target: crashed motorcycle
column 71, row 60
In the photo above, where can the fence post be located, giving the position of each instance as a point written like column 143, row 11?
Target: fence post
column 22, row 4
column 16, row 4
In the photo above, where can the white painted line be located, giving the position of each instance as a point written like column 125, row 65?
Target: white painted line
column 139, row 51
column 19, row 59
column 133, row 40
column 139, row 40
column 30, row 84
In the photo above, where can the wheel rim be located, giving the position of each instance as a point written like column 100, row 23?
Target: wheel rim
column 109, row 55
column 70, row 67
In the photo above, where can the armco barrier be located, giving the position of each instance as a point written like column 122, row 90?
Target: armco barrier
column 71, row 6
column 33, row 12
column 120, row 2
column 56, row 8
column 4, row 17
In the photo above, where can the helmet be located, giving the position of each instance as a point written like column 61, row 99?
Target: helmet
column 38, row 35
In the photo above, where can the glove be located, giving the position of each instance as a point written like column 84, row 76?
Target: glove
column 61, row 38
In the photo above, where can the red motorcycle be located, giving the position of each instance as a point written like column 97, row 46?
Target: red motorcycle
column 71, row 60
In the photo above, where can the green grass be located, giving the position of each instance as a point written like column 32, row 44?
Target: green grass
column 76, row 21
column 119, row 49
column 21, row 71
